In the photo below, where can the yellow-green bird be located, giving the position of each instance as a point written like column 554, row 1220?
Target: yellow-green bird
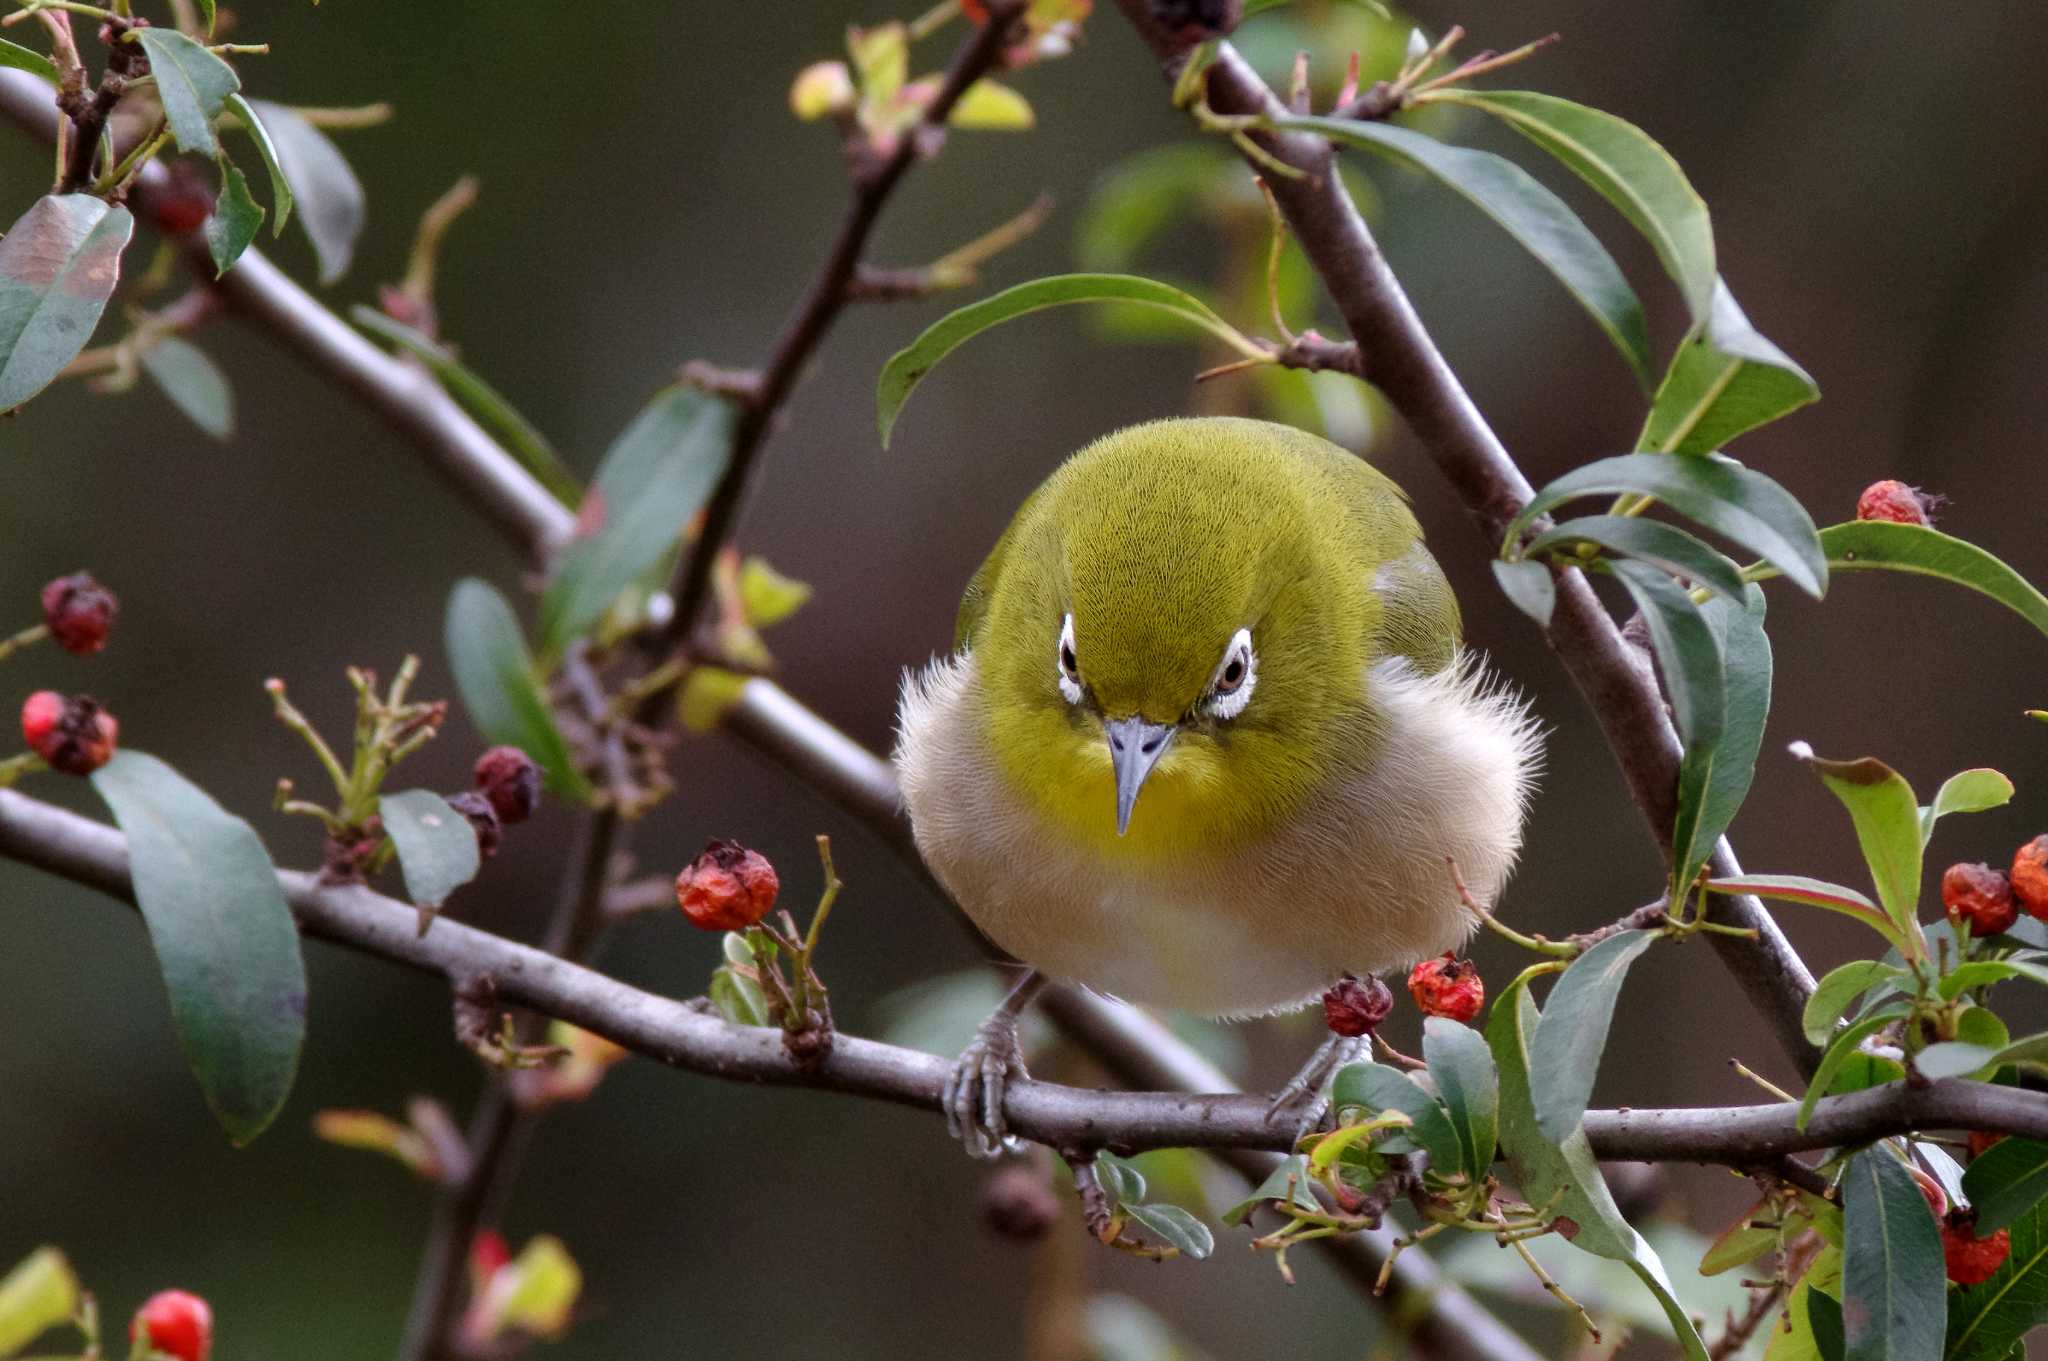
column 1208, row 736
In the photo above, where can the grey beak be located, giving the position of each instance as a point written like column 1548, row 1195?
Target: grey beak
column 1135, row 746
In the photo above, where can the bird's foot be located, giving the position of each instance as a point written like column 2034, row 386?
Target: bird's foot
column 975, row 1089
column 1305, row 1100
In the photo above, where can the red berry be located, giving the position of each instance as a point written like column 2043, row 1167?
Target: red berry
column 975, row 10
column 1980, row 1141
column 79, row 612
column 1354, row 1006
column 1972, row 1260
column 508, row 777
column 75, row 735
column 1894, row 501
column 1979, row 895
column 1449, row 987
column 2030, row 877
column 483, row 819
column 182, row 202
column 177, row 1323
column 727, row 888
column 1937, row 1199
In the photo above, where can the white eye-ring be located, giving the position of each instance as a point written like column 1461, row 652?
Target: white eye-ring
column 1069, row 664
column 1230, row 689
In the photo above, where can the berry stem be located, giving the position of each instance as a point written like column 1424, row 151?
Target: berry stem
column 35, row 633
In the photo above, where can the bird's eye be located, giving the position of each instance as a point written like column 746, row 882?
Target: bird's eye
column 1231, row 687
column 1069, row 664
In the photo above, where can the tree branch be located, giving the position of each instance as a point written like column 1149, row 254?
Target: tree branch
column 1397, row 356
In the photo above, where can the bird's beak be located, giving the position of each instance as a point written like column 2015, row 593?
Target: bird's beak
column 1135, row 746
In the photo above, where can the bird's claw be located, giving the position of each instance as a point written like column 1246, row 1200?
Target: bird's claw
column 976, row 1088
column 1305, row 1100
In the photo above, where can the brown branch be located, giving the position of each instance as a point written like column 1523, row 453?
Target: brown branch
column 1399, row 358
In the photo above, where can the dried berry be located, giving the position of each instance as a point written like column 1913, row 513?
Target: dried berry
column 508, row 777
column 1979, row 895
column 182, row 201
column 1972, row 1260
column 75, row 735
column 177, row 1323
column 1980, row 1141
column 1017, row 1203
column 79, row 612
column 2030, row 877
column 1894, row 501
column 1937, row 1199
column 1449, row 987
column 727, row 888
column 1354, row 1006
column 483, row 819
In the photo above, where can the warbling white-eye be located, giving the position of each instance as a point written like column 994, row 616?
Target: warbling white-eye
column 1208, row 736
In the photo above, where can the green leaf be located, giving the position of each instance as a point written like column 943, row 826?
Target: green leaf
column 1793, row 888
column 1824, row 1316
column 225, row 940
column 1535, row 217
column 40, row 1293
column 766, row 596
column 1969, row 791
column 1983, row 973
column 989, row 107
column 1838, row 991
column 1463, row 1068
column 1288, row 1181
column 1720, row 493
column 193, row 382
column 908, row 366
column 1175, row 1227
column 280, row 186
column 27, row 59
column 1714, row 780
column 1952, row 1058
column 738, row 997
column 490, row 407
column 495, row 677
column 1838, row 1052
column 654, row 478
column 437, row 848
column 1987, row 1321
column 1893, row 1278
column 328, row 195
column 1529, row 587
column 206, row 15
column 1631, row 171
column 193, row 84
column 1724, row 380
column 1125, row 1183
column 1687, row 651
column 1887, row 819
column 1374, row 1087
column 1144, row 197
column 1793, row 1339
column 1859, row 544
column 2005, row 1181
column 1651, row 541
column 1564, row 1054
column 1562, row 1176
column 59, row 263
column 236, row 218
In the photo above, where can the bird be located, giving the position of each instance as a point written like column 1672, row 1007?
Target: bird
column 1207, row 738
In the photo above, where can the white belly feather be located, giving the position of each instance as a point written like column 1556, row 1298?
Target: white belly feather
column 1355, row 884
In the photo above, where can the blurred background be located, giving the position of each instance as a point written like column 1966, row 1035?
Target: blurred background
column 1875, row 172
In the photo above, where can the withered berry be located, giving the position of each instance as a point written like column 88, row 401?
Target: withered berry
column 75, row 736
column 2030, row 876
column 1894, row 501
column 508, row 777
column 483, row 819
column 727, row 888
column 1972, row 1260
column 79, row 612
column 1354, row 1006
column 1449, row 987
column 1979, row 895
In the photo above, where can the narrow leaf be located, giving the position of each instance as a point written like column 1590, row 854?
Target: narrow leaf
column 495, row 677
column 326, row 191
column 1465, row 1079
column 59, row 263
column 1175, row 1227
column 492, row 409
column 1838, row 991
column 280, row 186
column 1535, row 217
column 908, row 366
column 225, row 940
column 1565, row 1052
column 193, row 382
column 1289, row 1182
column 1893, row 1279
column 1651, row 541
column 27, row 59
column 1714, row 781
column 1983, row 973
column 437, row 848
column 193, row 84
column 1724, row 380
column 1687, row 651
column 1969, row 791
column 236, row 218
column 1529, row 587
column 1887, row 819
column 1631, row 171
column 1860, row 544
column 1718, row 492
column 655, row 477
column 2005, row 1181
column 1374, row 1087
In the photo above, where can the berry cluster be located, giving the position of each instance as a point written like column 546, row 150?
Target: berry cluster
column 74, row 734
column 1990, row 901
